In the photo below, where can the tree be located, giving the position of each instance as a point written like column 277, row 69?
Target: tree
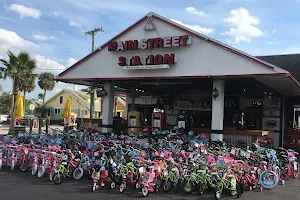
column 41, row 96
column 5, row 102
column 17, row 67
column 46, row 82
column 91, row 91
column 27, row 85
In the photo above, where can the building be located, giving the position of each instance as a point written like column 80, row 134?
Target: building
column 80, row 103
column 227, row 93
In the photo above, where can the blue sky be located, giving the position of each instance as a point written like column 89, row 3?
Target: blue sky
column 53, row 31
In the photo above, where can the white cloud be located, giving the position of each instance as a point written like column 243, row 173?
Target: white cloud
column 12, row 41
column 25, row 11
column 71, row 61
column 269, row 42
column 55, row 13
column 274, row 31
column 194, row 11
column 6, row 18
column 44, row 37
column 46, row 64
column 195, row 27
column 71, row 23
column 242, row 26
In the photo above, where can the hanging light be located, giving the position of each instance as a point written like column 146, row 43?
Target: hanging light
column 215, row 93
column 102, row 93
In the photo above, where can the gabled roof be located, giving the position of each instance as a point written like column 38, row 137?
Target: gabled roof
column 122, row 101
column 187, row 30
column 289, row 62
column 72, row 93
column 82, row 97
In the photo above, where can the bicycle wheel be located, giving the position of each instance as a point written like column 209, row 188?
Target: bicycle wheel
column 187, row 187
column 201, row 188
column 218, row 191
column 168, row 185
column 268, row 179
column 239, row 190
column 78, row 173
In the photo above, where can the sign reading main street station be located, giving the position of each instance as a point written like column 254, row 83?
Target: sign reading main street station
column 158, row 61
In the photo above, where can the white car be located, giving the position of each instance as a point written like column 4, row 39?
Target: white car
column 3, row 119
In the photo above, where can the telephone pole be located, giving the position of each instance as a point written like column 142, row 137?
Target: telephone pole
column 93, row 90
column 93, row 33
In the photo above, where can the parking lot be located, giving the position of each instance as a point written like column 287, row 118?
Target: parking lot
column 16, row 185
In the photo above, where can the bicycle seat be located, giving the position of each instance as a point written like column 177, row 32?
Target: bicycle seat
column 64, row 163
column 269, row 140
column 264, row 162
column 262, row 142
column 230, row 175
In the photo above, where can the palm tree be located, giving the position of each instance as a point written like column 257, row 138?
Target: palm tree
column 17, row 67
column 91, row 91
column 2, row 70
column 27, row 85
column 41, row 96
column 46, row 82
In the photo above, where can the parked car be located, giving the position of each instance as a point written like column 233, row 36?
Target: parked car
column 3, row 119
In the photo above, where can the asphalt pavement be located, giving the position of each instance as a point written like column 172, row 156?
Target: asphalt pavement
column 16, row 185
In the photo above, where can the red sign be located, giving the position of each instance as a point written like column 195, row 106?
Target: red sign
column 147, row 60
column 158, row 59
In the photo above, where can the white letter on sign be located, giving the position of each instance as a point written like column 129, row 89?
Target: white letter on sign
column 144, row 44
column 128, row 60
column 144, row 59
column 120, row 46
column 175, row 41
column 167, row 42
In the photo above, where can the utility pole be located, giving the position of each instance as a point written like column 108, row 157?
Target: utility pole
column 92, row 95
column 93, row 33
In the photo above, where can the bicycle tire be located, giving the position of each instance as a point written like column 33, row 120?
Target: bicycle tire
column 266, row 185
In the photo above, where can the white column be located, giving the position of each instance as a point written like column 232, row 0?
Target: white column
column 218, row 111
column 126, row 108
column 108, row 106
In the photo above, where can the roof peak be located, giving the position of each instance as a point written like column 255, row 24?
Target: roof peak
column 150, row 14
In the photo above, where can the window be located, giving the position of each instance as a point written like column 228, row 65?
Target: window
column 85, row 112
column 57, row 110
column 61, row 99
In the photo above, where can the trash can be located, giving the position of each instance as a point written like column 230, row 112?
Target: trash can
column 43, row 121
column 27, row 121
